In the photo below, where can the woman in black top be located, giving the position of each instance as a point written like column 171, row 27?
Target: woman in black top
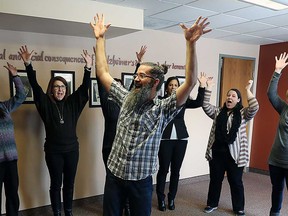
column 173, row 144
column 60, row 111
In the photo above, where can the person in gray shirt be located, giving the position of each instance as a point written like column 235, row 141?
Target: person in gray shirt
column 278, row 159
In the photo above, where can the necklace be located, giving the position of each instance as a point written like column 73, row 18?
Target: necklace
column 60, row 116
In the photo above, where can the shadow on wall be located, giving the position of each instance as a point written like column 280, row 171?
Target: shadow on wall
column 33, row 173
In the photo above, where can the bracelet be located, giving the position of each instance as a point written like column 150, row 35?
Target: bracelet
column 87, row 68
column 15, row 76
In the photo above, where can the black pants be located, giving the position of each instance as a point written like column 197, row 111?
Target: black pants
column 62, row 167
column 171, row 153
column 105, row 155
column 9, row 176
column 279, row 177
column 221, row 162
column 117, row 191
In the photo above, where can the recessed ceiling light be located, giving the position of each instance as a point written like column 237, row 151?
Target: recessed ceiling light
column 268, row 4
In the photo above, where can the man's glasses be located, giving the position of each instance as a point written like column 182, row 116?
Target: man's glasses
column 62, row 87
column 143, row 76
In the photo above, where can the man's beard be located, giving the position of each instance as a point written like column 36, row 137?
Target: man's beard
column 137, row 97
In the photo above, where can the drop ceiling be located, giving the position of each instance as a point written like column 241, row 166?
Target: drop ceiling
column 231, row 20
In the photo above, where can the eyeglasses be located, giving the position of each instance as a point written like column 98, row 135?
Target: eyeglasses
column 143, row 76
column 62, row 87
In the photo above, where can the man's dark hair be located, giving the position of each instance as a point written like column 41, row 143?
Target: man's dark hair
column 157, row 71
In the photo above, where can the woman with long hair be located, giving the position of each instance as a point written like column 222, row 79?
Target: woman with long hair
column 173, row 144
column 228, row 146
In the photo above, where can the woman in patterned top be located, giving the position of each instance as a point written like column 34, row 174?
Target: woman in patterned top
column 8, row 151
column 227, row 146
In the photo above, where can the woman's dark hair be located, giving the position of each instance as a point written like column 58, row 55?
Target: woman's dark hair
column 157, row 71
column 239, row 105
column 169, row 80
column 49, row 91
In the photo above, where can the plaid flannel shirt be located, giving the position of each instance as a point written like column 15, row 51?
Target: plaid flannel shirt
column 134, row 154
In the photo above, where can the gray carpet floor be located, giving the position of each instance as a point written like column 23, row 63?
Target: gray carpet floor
column 191, row 199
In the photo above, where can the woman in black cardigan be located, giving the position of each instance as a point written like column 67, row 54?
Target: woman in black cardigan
column 173, row 144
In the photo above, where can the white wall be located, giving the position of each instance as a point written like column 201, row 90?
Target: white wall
column 30, row 134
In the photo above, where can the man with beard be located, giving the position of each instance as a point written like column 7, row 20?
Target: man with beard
column 142, row 119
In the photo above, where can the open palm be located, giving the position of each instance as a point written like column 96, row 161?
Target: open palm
column 197, row 29
column 282, row 61
column 99, row 27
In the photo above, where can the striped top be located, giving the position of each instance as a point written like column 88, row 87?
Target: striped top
column 239, row 148
column 8, row 151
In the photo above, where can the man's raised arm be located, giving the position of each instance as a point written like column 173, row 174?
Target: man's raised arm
column 102, row 69
column 191, row 35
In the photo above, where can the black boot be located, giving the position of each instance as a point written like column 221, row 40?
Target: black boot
column 55, row 198
column 68, row 212
column 67, row 201
column 171, row 204
column 57, row 213
column 161, row 205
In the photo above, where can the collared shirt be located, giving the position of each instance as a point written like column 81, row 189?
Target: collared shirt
column 134, row 153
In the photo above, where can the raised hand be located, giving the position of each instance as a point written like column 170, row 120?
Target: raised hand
column 248, row 89
column 249, row 85
column 25, row 54
column 281, row 62
column 141, row 53
column 197, row 29
column 210, row 83
column 12, row 70
column 98, row 26
column 88, row 58
column 202, row 79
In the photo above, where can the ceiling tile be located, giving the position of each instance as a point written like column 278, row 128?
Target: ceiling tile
column 271, row 32
column 183, row 14
column 150, row 7
column 247, row 27
column 181, row 2
column 215, row 33
column 219, row 5
column 250, row 40
column 280, row 20
column 255, row 12
column 223, row 20
column 154, row 23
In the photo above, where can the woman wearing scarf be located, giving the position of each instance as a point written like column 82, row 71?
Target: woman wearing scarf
column 227, row 149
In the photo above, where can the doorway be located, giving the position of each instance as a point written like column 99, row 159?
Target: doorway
column 234, row 72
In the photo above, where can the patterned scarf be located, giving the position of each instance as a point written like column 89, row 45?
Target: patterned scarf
column 221, row 133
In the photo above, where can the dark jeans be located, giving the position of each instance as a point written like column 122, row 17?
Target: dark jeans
column 172, row 153
column 118, row 190
column 9, row 176
column 105, row 155
column 62, row 166
column 221, row 162
column 278, row 177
